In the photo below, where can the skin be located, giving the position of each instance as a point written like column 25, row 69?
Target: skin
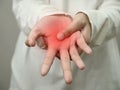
column 80, row 23
column 48, row 28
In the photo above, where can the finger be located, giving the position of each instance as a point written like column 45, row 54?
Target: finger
column 48, row 61
column 83, row 45
column 67, row 32
column 41, row 43
column 65, row 62
column 76, row 57
column 73, row 27
column 73, row 39
column 32, row 37
column 86, row 32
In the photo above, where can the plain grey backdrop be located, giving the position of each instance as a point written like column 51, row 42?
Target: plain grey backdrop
column 8, row 36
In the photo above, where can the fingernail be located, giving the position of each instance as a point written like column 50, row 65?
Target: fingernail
column 26, row 43
column 60, row 36
column 43, row 47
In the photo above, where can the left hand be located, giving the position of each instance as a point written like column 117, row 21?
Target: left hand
column 80, row 23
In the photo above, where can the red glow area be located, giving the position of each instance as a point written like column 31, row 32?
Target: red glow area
column 52, row 27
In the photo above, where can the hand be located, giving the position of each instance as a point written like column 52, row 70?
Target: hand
column 80, row 23
column 48, row 28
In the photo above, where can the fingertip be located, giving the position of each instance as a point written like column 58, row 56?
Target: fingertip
column 68, row 77
column 43, row 72
column 68, row 80
column 81, row 66
column 29, row 43
column 89, row 51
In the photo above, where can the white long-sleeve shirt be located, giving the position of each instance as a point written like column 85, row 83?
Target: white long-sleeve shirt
column 102, row 68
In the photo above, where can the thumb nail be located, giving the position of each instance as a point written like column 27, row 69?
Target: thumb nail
column 60, row 36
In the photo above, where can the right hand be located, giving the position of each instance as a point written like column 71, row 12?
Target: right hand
column 48, row 28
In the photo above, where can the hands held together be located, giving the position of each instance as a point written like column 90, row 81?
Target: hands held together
column 65, row 38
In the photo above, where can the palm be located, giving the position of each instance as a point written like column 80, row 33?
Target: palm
column 49, row 28
column 51, row 31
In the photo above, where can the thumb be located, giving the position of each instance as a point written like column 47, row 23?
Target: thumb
column 73, row 27
column 64, row 34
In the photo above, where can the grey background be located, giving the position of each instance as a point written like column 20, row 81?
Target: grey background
column 8, row 36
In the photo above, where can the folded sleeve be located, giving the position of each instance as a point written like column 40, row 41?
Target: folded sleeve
column 28, row 12
column 105, row 21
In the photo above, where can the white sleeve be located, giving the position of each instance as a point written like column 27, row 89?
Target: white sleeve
column 28, row 12
column 105, row 21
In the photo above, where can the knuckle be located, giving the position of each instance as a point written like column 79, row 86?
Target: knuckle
column 65, row 59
